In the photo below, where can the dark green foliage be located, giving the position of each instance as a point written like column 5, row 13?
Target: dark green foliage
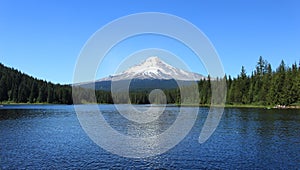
column 3, row 88
column 205, row 90
column 33, row 92
column 264, row 86
column 50, row 93
column 18, row 87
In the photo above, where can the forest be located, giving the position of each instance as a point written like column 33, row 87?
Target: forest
column 264, row 86
column 17, row 87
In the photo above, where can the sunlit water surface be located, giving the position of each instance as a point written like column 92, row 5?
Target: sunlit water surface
column 50, row 136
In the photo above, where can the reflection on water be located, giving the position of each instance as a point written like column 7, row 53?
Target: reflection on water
column 154, row 140
column 38, row 137
column 135, row 129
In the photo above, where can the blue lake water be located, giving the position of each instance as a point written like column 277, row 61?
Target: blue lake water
column 50, row 137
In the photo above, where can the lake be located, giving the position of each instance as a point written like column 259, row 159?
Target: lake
column 50, row 137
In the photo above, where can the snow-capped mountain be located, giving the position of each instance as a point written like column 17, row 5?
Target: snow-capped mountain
column 153, row 73
column 154, row 69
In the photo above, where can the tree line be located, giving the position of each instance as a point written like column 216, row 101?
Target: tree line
column 17, row 87
column 264, row 86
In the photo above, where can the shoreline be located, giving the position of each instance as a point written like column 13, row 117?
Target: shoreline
column 175, row 105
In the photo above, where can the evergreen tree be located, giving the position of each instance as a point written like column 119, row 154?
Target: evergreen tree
column 49, row 94
column 276, row 91
column 266, row 83
column 3, row 89
column 23, row 93
column 42, row 94
column 33, row 92
column 295, row 80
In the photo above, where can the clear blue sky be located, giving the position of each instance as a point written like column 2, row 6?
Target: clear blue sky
column 44, row 38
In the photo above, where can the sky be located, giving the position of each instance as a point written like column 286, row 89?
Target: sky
column 44, row 38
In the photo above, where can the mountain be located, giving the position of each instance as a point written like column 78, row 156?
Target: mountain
column 153, row 73
column 154, row 69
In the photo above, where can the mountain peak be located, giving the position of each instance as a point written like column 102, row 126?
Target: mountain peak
column 154, row 68
column 153, row 59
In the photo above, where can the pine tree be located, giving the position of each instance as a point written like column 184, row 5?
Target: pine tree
column 33, row 92
column 42, row 94
column 49, row 94
column 3, row 89
column 23, row 93
column 277, row 85
column 295, row 89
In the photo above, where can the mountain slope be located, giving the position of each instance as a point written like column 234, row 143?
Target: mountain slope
column 153, row 73
column 154, row 68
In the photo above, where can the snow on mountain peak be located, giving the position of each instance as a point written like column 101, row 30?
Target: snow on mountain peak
column 153, row 59
column 154, row 68
column 153, row 62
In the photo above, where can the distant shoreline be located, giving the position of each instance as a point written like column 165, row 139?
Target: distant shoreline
column 172, row 105
column 244, row 106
